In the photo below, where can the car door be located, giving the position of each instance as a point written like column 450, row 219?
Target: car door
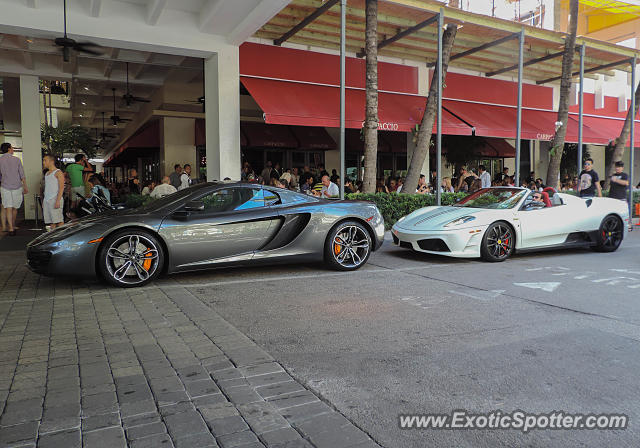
column 233, row 224
column 544, row 227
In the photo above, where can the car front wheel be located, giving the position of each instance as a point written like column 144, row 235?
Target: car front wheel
column 348, row 246
column 130, row 257
column 498, row 242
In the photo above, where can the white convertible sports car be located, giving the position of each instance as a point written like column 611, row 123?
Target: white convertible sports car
column 492, row 223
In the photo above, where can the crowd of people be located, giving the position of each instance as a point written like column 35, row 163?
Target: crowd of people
column 64, row 189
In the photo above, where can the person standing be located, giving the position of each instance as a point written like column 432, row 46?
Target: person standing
column 485, row 177
column 133, row 182
column 266, row 173
column 185, row 177
column 174, row 178
column 619, row 183
column 588, row 181
column 13, row 184
column 76, row 171
column 53, row 189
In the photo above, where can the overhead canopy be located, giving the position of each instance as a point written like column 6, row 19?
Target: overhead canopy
column 304, row 104
column 490, row 120
column 609, row 127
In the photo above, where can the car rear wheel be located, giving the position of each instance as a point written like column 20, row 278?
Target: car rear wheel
column 131, row 257
column 610, row 234
column 498, row 242
column 348, row 246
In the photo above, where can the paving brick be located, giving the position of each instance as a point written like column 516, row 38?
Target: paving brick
column 141, row 431
column 236, row 439
column 301, row 443
column 18, row 434
column 262, row 417
column 295, row 399
column 321, row 423
column 166, row 384
column 100, row 403
column 176, row 408
column 184, row 424
column 62, row 439
column 345, row 436
column 280, row 436
column 269, row 378
column 201, row 440
column 22, row 411
column 48, row 425
column 274, row 390
column 261, row 369
column 154, row 441
column 227, row 425
column 201, row 387
column 100, row 421
column 243, row 395
column 209, row 400
column 142, row 419
column 305, row 411
column 166, row 398
column 105, row 438
column 193, row 373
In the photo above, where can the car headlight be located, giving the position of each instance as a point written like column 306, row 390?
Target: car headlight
column 459, row 221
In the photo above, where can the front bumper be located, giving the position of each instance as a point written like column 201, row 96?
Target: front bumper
column 462, row 243
column 63, row 259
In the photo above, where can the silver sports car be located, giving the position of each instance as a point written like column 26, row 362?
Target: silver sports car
column 210, row 225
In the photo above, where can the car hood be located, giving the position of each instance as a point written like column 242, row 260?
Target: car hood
column 436, row 217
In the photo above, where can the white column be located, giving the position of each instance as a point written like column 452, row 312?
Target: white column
column 178, row 145
column 222, row 113
column 31, row 148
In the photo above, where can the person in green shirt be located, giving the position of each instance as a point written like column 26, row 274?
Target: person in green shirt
column 76, row 171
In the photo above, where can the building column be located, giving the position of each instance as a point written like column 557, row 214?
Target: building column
column 31, row 146
column 177, row 139
column 222, row 114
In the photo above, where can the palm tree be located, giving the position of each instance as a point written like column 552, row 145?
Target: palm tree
column 557, row 145
column 421, row 150
column 371, row 117
column 621, row 142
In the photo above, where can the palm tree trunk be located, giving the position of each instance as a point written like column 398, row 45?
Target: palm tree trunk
column 421, row 150
column 557, row 145
column 371, row 117
column 621, row 142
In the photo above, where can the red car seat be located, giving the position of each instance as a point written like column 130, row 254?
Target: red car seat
column 545, row 199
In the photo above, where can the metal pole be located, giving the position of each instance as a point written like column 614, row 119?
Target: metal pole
column 343, row 21
column 439, row 111
column 580, row 109
column 631, row 136
column 519, row 114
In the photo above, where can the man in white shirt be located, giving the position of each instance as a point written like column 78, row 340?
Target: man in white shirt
column 485, row 177
column 164, row 189
column 329, row 189
column 185, row 177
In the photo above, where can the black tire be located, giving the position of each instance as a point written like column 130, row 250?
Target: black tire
column 610, row 234
column 498, row 242
column 347, row 247
column 140, row 249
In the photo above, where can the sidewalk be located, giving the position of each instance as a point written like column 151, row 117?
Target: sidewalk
column 84, row 365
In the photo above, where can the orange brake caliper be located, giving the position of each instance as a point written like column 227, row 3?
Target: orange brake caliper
column 147, row 262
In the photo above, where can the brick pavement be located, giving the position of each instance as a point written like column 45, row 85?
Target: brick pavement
column 86, row 365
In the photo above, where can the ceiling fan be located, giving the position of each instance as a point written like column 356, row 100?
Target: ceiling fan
column 69, row 44
column 105, row 135
column 200, row 99
column 128, row 97
column 115, row 119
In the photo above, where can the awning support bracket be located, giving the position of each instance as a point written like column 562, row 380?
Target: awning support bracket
column 402, row 34
column 306, row 21
column 480, row 48
column 590, row 70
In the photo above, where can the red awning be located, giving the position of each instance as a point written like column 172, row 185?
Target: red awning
column 609, row 127
column 313, row 138
column 303, row 104
column 353, row 142
column 495, row 147
column 260, row 135
column 500, row 121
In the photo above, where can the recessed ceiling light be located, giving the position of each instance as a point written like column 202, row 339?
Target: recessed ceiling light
column 84, row 104
column 81, row 115
column 86, row 88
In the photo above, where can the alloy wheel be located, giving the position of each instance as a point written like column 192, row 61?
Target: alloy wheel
column 132, row 259
column 611, row 232
column 500, row 241
column 350, row 246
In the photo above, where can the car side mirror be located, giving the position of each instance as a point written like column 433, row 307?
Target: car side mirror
column 588, row 202
column 194, row 206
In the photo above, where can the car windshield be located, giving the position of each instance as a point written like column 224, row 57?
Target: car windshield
column 164, row 201
column 494, row 198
